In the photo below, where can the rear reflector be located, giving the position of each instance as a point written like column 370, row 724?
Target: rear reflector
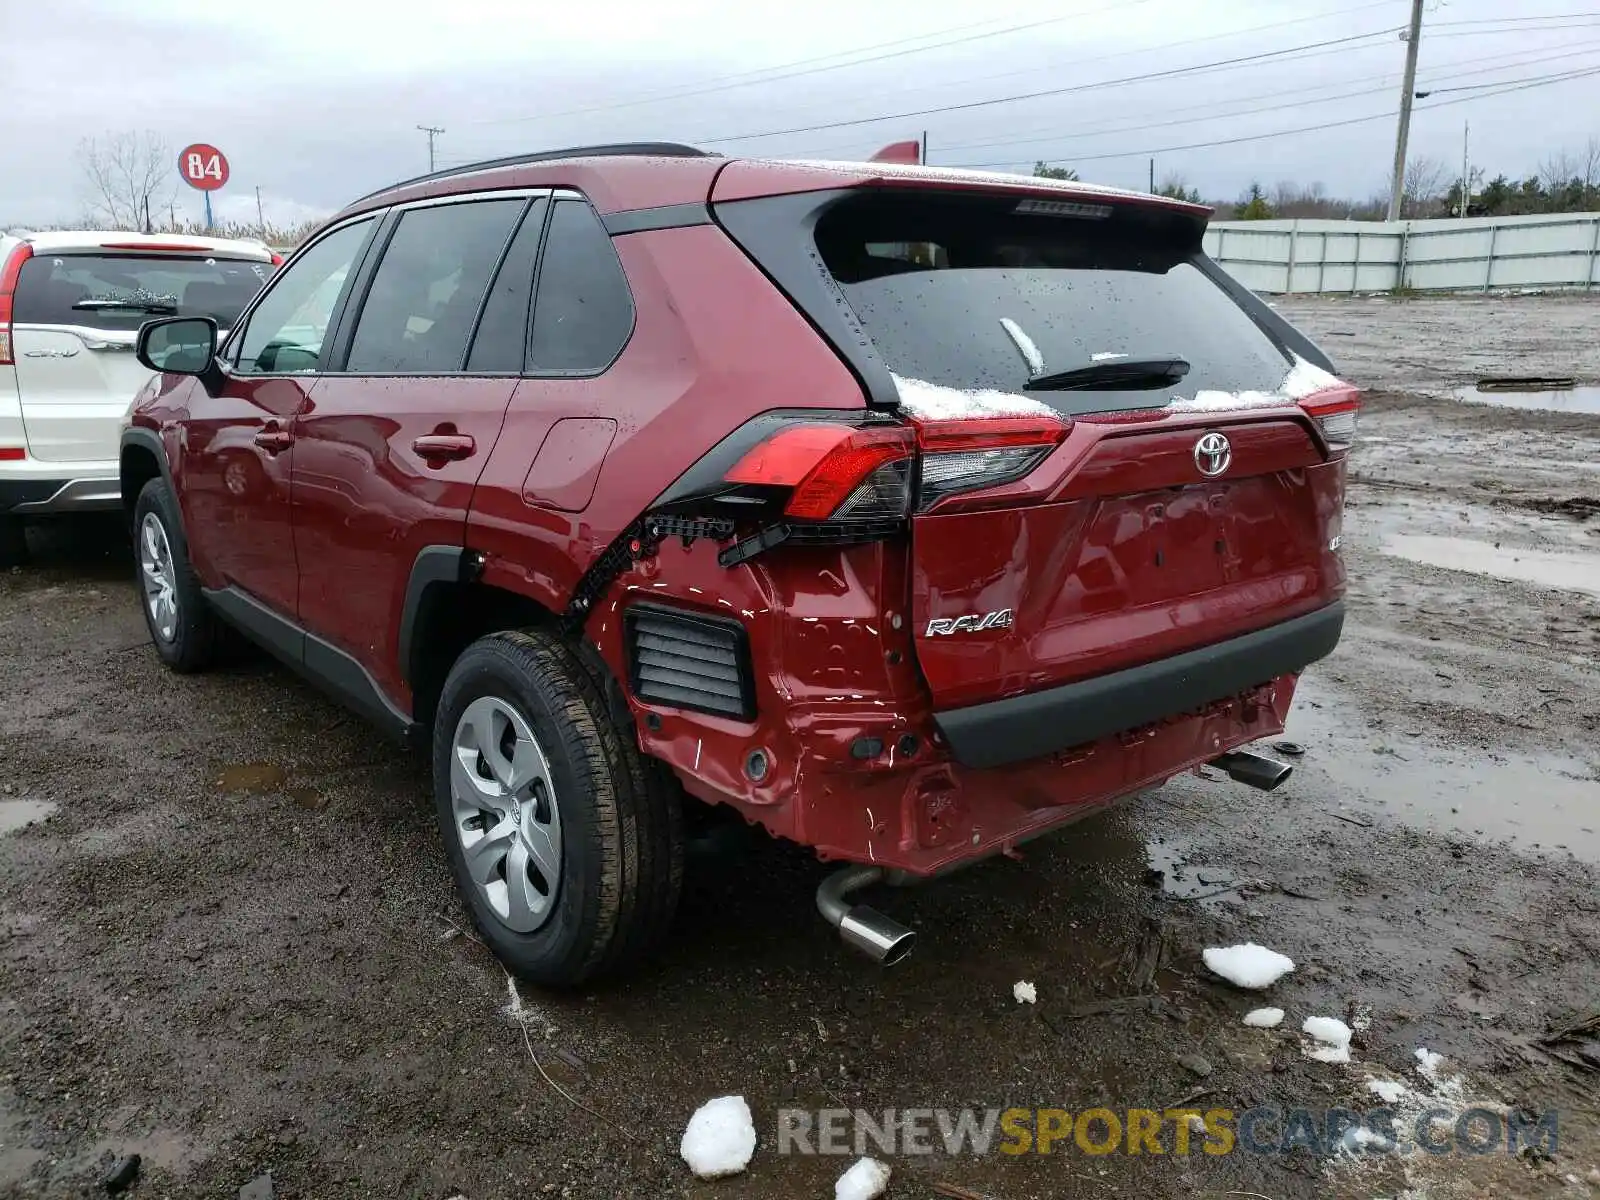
column 12, row 454
column 834, row 470
column 686, row 660
column 1335, row 410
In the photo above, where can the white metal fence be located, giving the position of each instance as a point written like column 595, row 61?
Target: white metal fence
column 1482, row 254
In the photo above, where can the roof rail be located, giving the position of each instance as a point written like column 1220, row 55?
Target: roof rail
column 635, row 149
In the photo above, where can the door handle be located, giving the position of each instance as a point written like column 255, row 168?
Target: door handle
column 436, row 448
column 274, row 440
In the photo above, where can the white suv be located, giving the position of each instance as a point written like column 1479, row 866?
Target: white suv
column 70, row 309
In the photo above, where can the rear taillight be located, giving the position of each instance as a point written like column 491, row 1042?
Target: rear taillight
column 8, row 290
column 833, row 472
column 277, row 259
column 1335, row 410
column 964, row 455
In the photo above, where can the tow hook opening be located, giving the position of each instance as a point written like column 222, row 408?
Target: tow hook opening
column 880, row 938
column 1257, row 770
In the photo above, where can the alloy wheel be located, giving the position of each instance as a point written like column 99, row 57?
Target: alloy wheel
column 159, row 577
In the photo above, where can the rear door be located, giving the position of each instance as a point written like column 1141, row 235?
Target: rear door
column 1175, row 512
column 76, row 316
column 391, row 444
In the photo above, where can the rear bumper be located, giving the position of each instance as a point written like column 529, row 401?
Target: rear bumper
column 32, row 495
column 1041, row 723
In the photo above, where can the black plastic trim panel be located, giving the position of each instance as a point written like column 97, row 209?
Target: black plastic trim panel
column 325, row 665
column 1040, row 723
column 667, row 216
column 435, row 566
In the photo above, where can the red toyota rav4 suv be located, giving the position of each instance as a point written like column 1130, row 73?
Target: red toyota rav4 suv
column 910, row 512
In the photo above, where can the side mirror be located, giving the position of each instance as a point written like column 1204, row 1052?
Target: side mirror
column 179, row 345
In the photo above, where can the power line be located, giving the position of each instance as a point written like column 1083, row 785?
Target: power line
column 1258, row 137
column 1064, row 91
column 766, row 76
column 1233, row 111
column 1511, row 20
column 945, row 85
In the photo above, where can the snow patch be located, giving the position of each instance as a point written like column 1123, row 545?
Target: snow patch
column 1264, row 1018
column 1390, row 1091
column 866, row 1180
column 1106, row 356
column 720, row 1138
column 520, row 1011
column 935, row 402
column 1303, row 379
column 1025, row 992
column 1330, row 1039
column 1248, row 966
column 1030, row 352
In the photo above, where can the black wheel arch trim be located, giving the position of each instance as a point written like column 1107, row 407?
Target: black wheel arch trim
column 324, row 664
column 146, row 439
column 434, row 567
column 1040, row 723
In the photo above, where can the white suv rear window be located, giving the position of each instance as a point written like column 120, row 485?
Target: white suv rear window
column 121, row 292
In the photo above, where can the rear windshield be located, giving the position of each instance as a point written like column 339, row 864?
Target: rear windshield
column 970, row 293
column 121, row 292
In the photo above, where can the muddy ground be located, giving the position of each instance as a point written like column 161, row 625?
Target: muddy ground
column 230, row 944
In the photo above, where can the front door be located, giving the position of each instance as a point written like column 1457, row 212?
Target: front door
column 239, row 446
column 390, row 447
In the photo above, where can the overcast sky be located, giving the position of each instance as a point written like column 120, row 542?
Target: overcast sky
column 316, row 101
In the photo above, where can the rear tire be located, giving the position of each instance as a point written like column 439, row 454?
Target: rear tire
column 182, row 624
column 565, row 842
column 13, row 542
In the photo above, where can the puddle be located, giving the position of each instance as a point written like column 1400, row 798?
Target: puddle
column 250, row 777
column 1543, row 802
column 1182, row 880
column 15, row 814
column 1573, row 399
column 1547, row 568
column 306, row 797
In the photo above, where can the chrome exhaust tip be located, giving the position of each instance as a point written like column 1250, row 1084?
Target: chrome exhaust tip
column 880, row 938
column 1255, row 769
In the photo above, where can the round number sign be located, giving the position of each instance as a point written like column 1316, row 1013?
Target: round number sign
column 203, row 166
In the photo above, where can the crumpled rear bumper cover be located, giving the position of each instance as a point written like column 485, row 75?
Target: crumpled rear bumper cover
column 1040, row 723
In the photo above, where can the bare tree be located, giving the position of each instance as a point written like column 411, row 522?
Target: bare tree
column 1425, row 182
column 1589, row 167
column 130, row 177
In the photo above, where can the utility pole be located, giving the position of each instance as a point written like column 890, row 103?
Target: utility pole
column 1152, row 177
column 1466, row 170
column 261, row 221
column 434, row 131
column 922, row 149
column 1413, row 41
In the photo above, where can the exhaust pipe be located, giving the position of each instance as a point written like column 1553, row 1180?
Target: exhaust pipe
column 878, row 937
column 1255, row 769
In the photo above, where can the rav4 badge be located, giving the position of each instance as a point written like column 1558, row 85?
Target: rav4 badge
column 971, row 623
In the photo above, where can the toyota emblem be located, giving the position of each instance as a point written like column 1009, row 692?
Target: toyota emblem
column 1212, row 454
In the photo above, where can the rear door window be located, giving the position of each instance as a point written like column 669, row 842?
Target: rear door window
column 501, row 343
column 583, row 314
column 971, row 294
column 423, row 305
column 119, row 292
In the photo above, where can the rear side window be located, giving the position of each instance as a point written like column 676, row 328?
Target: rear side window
column 424, row 300
column 501, row 343
column 968, row 293
column 583, row 315
column 121, row 292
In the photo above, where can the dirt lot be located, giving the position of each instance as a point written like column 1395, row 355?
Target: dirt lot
column 230, row 944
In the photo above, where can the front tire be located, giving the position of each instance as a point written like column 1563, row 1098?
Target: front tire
column 181, row 623
column 565, row 843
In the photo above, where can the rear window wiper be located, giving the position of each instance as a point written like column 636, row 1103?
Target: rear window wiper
column 1123, row 375
column 149, row 306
